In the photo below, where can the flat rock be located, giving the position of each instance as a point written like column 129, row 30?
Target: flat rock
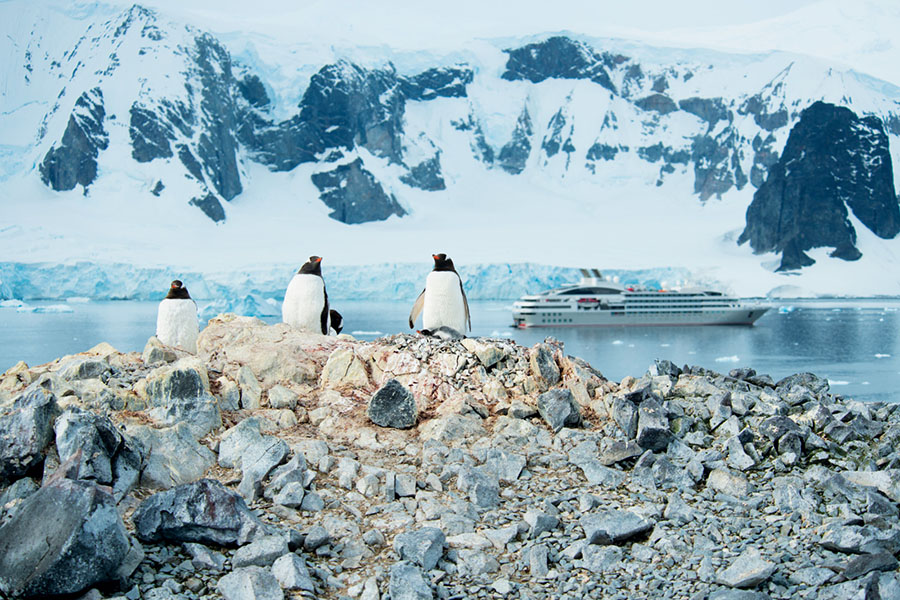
column 408, row 583
column 261, row 552
column 614, row 526
column 292, row 574
column 423, row 547
column 747, row 570
column 250, row 583
column 172, row 456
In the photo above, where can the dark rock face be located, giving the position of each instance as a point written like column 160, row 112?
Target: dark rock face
column 26, row 432
column 833, row 161
column 426, row 175
column 514, row 154
column 210, row 206
column 558, row 57
column 437, row 83
column 204, row 511
column 658, row 103
column 74, row 161
column 711, row 110
column 65, row 537
column 151, row 138
column 393, row 406
column 354, row 195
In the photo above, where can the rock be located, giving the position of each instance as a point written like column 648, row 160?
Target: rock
column 316, row 537
column 452, row 429
column 617, row 452
column 205, row 558
column 653, row 426
column 96, row 436
column 408, row 583
column 156, row 352
column 88, row 367
column 728, row 482
column 201, row 414
column 229, row 394
column 613, row 526
column 291, row 495
column 291, row 572
column 171, row 455
column 559, row 409
column 543, row 366
column 425, row 547
column 501, row 537
column 866, row 563
column 261, row 552
column 182, row 380
column 26, row 432
column 204, row 511
column 507, row 465
column 520, row 410
column 281, row 397
column 344, row 369
column 256, row 455
column 64, row 538
column 481, row 484
column 250, row 583
column 625, row 414
column 393, row 406
column 858, row 539
column 539, row 522
column 475, row 563
column 538, row 556
column 775, row 427
column 251, row 392
column 601, row 559
column 747, row 570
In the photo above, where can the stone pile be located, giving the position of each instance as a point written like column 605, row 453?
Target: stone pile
column 277, row 464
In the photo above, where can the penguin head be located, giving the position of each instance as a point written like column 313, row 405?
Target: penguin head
column 312, row 267
column 177, row 291
column 442, row 263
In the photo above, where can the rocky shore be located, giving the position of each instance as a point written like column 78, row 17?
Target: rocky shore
column 277, row 464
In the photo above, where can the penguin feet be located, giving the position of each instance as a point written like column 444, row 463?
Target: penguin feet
column 443, row 332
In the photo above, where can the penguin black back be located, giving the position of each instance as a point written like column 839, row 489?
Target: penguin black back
column 312, row 267
column 177, row 291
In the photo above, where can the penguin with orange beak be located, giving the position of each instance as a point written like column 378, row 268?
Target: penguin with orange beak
column 305, row 304
column 442, row 303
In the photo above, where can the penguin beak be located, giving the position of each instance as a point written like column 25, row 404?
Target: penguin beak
column 318, row 260
column 434, row 256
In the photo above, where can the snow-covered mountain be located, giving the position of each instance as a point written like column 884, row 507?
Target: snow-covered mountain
column 131, row 136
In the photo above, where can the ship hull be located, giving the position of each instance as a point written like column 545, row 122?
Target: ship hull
column 526, row 317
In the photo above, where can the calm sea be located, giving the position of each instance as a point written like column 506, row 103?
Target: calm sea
column 853, row 343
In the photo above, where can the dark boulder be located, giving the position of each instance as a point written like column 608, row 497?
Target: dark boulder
column 26, row 432
column 393, row 406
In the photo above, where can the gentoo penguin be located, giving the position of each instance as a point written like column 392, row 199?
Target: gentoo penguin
column 176, row 319
column 443, row 302
column 305, row 304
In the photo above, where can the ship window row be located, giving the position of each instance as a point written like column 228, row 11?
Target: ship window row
column 545, row 320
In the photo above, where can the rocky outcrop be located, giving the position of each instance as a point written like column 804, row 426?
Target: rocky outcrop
column 74, row 160
column 523, row 470
column 559, row 57
column 354, row 195
column 834, row 163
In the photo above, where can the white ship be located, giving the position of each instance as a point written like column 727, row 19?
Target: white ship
column 598, row 302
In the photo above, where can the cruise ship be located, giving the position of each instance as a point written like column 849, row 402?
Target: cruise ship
column 598, row 302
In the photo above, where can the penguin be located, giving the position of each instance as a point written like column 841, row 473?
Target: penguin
column 442, row 303
column 176, row 319
column 305, row 304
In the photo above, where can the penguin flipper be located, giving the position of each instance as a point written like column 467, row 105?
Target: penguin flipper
column 337, row 321
column 324, row 316
column 465, row 305
column 416, row 309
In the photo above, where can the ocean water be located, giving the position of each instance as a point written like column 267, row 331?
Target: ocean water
column 852, row 343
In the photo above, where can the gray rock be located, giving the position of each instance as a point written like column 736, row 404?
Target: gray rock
column 501, row 537
column 26, row 432
column 775, row 427
column 618, row 451
column 281, row 397
column 728, row 482
column 90, row 367
column 96, row 436
column 738, row 595
column 507, row 465
column 203, row 557
column 405, row 485
column 737, row 456
column 256, row 455
column 520, row 410
column 172, row 456
column 65, row 538
column 202, row 414
column 613, row 526
column 858, row 539
column 747, row 570
column 598, row 474
column 261, row 552
column 393, row 406
column 625, row 414
column 229, row 394
column 423, row 547
column 539, row 522
column 538, row 557
column 204, row 511
column 316, row 536
column 866, row 563
column 481, row 484
column 653, row 426
column 291, row 495
column 543, row 366
column 183, row 380
column 19, row 490
column 312, row 502
column 291, row 572
column 601, row 559
column 251, row 392
column 475, row 563
column 678, row 510
column 408, row 583
column 156, row 352
column 559, row 409
column 250, row 583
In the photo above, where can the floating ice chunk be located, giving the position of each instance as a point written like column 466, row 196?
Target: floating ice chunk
column 11, row 303
column 838, row 382
column 882, row 356
column 50, row 308
column 664, row 345
column 506, row 334
column 617, row 342
column 723, row 359
column 785, row 309
column 363, row 332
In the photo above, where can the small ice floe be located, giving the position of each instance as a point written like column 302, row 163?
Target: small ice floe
column 783, row 310
column 505, row 334
column 617, row 342
column 363, row 332
column 664, row 345
column 78, row 300
column 11, row 303
column 882, row 356
column 723, row 359
column 51, row 308
column 833, row 382
column 865, row 383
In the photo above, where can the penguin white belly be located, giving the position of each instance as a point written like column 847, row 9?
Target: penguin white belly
column 304, row 301
column 443, row 305
column 176, row 324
